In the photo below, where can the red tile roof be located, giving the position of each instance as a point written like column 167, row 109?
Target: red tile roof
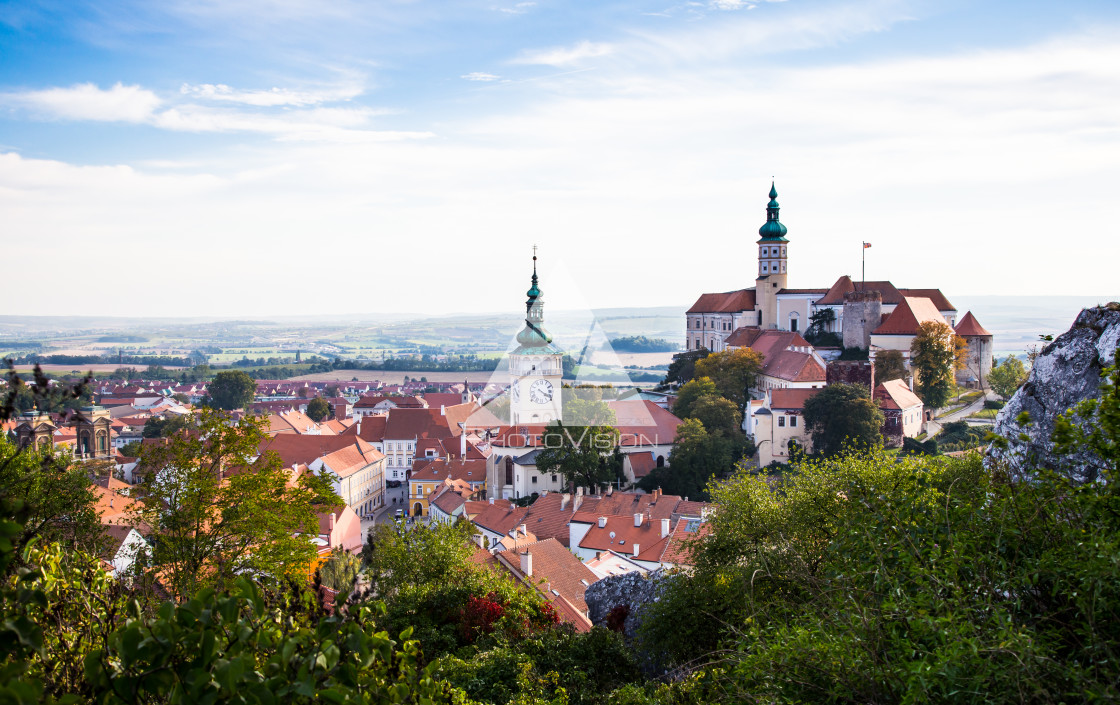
column 372, row 428
column 294, row 448
column 777, row 358
column 470, row 471
column 412, row 424
column 351, row 458
column 939, row 300
column 557, row 566
column 641, row 463
column 791, row 399
column 498, row 519
column 896, row 395
column 727, row 302
column 621, row 535
column 844, row 285
column 907, row 316
column 969, row 326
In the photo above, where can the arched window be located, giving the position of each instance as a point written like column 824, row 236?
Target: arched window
column 509, row 470
column 661, row 461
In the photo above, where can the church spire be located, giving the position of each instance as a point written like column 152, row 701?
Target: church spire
column 533, row 335
column 773, row 229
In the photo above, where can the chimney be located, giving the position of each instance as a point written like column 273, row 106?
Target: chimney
column 564, row 500
column 463, row 445
column 610, row 490
column 527, row 563
column 638, row 519
column 577, row 502
column 602, row 522
column 522, row 529
column 664, row 528
column 579, row 491
column 442, row 410
column 332, row 521
column 637, row 549
column 491, row 500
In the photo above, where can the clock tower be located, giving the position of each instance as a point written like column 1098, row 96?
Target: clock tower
column 535, row 367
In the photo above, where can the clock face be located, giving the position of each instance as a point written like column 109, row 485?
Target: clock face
column 540, row 392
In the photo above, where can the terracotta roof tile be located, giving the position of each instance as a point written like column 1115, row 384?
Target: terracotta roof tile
column 907, row 316
column 557, row 566
column 791, row 399
column 896, row 395
column 727, row 302
column 969, row 326
column 939, row 300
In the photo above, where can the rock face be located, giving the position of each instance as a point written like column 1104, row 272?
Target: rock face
column 633, row 591
column 1066, row 372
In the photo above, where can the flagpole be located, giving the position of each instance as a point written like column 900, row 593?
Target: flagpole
column 863, row 267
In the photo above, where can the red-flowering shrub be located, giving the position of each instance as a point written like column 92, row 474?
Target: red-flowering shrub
column 616, row 618
column 479, row 616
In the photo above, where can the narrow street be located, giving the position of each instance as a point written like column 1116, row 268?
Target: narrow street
column 934, row 427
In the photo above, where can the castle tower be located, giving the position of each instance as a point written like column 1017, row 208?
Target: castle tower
column 772, row 255
column 535, row 367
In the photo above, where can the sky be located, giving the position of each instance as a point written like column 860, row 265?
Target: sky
column 288, row 157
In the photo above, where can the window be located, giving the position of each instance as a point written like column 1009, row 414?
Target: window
column 534, row 480
column 782, row 421
column 793, row 324
column 793, row 422
column 554, row 478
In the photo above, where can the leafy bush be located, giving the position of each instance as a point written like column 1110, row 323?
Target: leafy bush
column 863, row 579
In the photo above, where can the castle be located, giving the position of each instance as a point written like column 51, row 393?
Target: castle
column 873, row 315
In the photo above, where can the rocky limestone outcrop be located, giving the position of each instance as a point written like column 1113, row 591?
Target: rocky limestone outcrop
column 1066, row 372
column 633, row 591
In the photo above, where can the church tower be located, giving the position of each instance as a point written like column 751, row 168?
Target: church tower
column 771, row 279
column 535, row 366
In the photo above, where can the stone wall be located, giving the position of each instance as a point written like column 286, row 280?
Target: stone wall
column 860, row 372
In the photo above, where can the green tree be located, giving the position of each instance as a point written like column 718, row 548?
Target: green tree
column 733, row 372
column 55, row 495
column 692, row 392
column 340, row 571
column 683, row 367
column 720, row 416
column 318, row 409
column 1006, row 377
column 167, row 426
column 582, row 454
column 581, row 408
column 216, row 510
column 935, row 354
column 697, row 457
column 842, row 415
column 889, row 364
column 230, row 390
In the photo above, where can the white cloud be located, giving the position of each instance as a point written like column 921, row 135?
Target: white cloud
column 947, row 162
column 731, row 4
column 270, row 98
column 480, row 76
column 518, row 9
column 86, row 101
column 564, row 56
column 304, row 116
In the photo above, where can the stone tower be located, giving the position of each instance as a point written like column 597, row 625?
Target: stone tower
column 772, row 262
column 863, row 312
column 535, row 367
column 979, row 361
